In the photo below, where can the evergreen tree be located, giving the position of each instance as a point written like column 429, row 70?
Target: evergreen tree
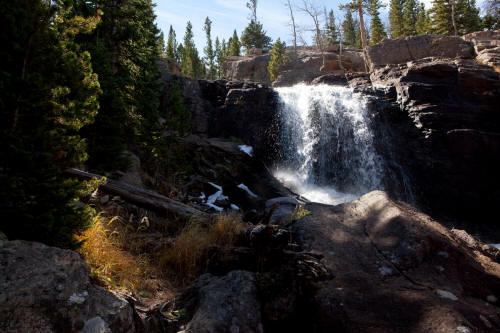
column 124, row 49
column 180, row 54
column 396, row 18
column 331, row 29
column 468, row 19
column 279, row 58
column 191, row 64
column 350, row 27
column 410, row 11
column 171, row 50
column 441, row 17
column 178, row 118
column 218, row 56
column 209, row 52
column 359, row 41
column 423, row 21
column 255, row 36
column 234, row 45
column 377, row 31
column 491, row 21
column 48, row 93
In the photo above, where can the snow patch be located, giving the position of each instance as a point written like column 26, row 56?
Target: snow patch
column 233, row 206
column 79, row 298
column 385, row 271
column 246, row 149
column 443, row 254
column 217, row 208
column 446, row 294
column 496, row 245
column 245, row 188
column 463, row 329
column 491, row 298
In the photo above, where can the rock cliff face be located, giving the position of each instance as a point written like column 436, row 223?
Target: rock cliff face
column 225, row 109
column 487, row 47
column 305, row 66
column 448, row 137
column 398, row 51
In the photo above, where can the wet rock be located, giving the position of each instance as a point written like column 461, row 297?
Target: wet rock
column 47, row 289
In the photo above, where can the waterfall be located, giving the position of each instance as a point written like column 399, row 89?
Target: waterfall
column 326, row 147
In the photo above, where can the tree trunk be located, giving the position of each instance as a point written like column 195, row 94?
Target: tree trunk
column 455, row 32
column 294, row 29
column 363, row 32
column 145, row 198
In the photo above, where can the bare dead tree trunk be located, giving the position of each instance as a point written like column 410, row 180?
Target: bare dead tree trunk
column 314, row 12
column 292, row 19
column 363, row 32
column 453, row 5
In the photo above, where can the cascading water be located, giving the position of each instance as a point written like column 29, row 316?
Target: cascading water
column 327, row 147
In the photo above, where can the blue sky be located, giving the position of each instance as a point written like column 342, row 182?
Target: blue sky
column 227, row 15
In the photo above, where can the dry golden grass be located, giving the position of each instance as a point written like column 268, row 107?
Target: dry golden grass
column 118, row 261
column 113, row 266
column 185, row 258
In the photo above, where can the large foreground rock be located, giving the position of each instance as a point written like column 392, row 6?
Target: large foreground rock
column 223, row 304
column 46, row 289
column 398, row 51
column 397, row 270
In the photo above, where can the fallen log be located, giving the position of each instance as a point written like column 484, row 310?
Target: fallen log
column 144, row 198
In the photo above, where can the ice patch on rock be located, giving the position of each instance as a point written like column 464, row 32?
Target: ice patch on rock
column 246, row 189
column 79, row 298
column 233, row 206
column 446, row 294
column 246, row 149
column 463, row 329
column 385, row 271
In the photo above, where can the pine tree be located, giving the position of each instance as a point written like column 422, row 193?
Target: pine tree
column 350, row 27
column 396, row 18
column 178, row 117
column 48, row 93
column 423, row 21
column 331, row 29
column 376, row 27
column 209, row 51
column 171, row 50
column 468, row 17
column 191, row 63
column 279, row 58
column 254, row 36
column 441, row 19
column 234, row 45
column 410, row 11
column 218, row 57
column 124, row 50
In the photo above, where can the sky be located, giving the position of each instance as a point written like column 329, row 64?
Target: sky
column 227, row 15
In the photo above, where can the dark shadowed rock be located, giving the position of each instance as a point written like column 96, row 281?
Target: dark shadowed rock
column 448, row 137
column 223, row 304
column 397, row 270
column 46, row 289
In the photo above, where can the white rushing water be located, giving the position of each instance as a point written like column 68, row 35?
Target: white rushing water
column 327, row 149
